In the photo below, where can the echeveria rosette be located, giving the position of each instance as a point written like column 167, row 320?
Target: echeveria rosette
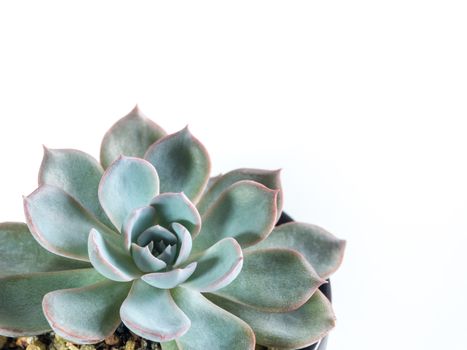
column 147, row 238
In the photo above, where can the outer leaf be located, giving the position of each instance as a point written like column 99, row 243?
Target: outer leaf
column 152, row 314
column 322, row 250
column 20, row 253
column 268, row 178
column 88, row 314
column 21, row 298
column 217, row 266
column 77, row 173
column 59, row 223
column 290, row 330
column 212, row 180
column 129, row 183
column 130, row 136
column 169, row 279
column 176, row 207
column 245, row 211
column 267, row 278
column 182, row 163
column 211, row 327
column 110, row 258
column 139, row 220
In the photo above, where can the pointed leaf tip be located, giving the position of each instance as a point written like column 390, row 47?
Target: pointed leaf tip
column 136, row 110
column 322, row 249
column 272, row 268
column 132, row 135
column 182, row 162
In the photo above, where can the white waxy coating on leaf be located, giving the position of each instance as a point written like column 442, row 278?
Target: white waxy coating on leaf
column 217, row 266
column 322, row 250
column 169, row 279
column 130, row 136
column 21, row 298
column 129, row 183
column 59, row 223
column 211, row 327
column 88, row 314
column 182, row 163
column 110, row 258
column 266, row 279
column 289, row 330
column 152, row 314
column 144, row 259
column 245, row 211
column 176, row 207
column 138, row 221
column 20, row 253
column 78, row 174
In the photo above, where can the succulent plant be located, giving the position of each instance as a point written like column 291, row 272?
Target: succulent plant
column 146, row 238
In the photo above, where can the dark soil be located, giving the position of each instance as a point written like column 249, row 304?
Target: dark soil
column 122, row 339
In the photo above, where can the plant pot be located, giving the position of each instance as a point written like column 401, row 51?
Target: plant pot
column 325, row 288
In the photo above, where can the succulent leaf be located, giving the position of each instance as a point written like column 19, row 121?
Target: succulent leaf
column 184, row 243
column 322, row 250
column 289, row 330
column 20, row 253
column 143, row 258
column 217, row 266
column 245, row 211
column 78, row 174
column 130, row 136
column 156, row 233
column 169, row 279
column 168, row 254
column 268, row 178
column 138, row 221
column 266, row 281
column 110, row 258
column 212, row 180
column 176, row 207
column 152, row 313
column 21, row 298
column 174, row 276
column 211, row 327
column 129, row 183
column 88, row 314
column 59, row 223
column 182, row 163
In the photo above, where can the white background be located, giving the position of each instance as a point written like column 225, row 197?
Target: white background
column 362, row 103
